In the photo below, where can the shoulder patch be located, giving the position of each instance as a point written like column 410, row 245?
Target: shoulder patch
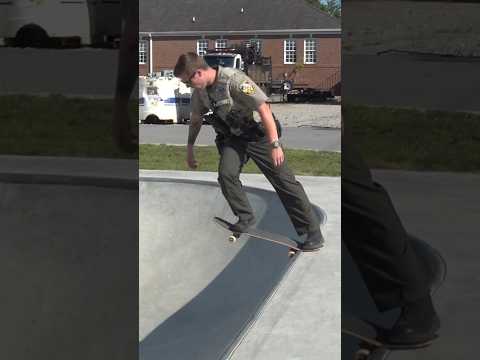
column 247, row 88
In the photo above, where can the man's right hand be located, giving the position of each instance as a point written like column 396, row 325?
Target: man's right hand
column 191, row 162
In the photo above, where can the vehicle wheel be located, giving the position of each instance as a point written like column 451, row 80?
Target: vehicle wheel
column 152, row 119
column 32, row 35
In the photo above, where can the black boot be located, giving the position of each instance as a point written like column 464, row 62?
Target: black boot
column 314, row 241
column 242, row 225
column 417, row 324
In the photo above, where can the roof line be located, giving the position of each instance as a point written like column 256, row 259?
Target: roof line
column 243, row 32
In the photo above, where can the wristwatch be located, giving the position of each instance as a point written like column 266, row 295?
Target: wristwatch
column 275, row 144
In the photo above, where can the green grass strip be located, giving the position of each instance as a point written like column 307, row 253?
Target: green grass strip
column 59, row 126
column 302, row 162
column 410, row 139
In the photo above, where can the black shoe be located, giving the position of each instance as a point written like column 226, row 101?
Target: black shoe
column 314, row 241
column 242, row 225
column 417, row 324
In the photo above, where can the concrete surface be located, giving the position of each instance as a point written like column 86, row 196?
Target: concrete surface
column 447, row 27
column 98, row 168
column 442, row 209
column 232, row 283
column 294, row 138
column 69, row 273
column 411, row 81
column 84, row 72
column 407, row 81
column 295, row 115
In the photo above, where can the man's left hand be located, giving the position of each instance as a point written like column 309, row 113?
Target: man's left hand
column 277, row 156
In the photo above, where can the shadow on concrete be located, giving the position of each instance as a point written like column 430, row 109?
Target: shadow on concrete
column 208, row 307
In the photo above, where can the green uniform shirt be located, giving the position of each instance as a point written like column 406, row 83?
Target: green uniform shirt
column 233, row 98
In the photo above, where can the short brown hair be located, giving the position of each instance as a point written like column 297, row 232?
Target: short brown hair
column 189, row 63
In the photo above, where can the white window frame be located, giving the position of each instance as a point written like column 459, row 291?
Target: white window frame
column 220, row 44
column 310, row 52
column 288, row 49
column 142, row 52
column 202, row 46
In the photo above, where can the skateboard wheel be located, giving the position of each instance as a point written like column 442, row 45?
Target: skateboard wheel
column 291, row 252
column 362, row 354
column 232, row 238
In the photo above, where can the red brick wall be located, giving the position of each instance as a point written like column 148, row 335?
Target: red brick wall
column 167, row 50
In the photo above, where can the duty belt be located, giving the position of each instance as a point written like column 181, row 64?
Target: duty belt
column 219, row 103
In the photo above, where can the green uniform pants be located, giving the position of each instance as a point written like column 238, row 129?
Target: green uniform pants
column 234, row 153
column 375, row 236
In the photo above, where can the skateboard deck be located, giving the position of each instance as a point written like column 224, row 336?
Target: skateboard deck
column 372, row 345
column 292, row 245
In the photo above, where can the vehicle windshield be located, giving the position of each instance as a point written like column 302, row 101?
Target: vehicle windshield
column 152, row 90
column 215, row 60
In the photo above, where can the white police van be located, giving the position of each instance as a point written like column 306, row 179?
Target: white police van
column 163, row 99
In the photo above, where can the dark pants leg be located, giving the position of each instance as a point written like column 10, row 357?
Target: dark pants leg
column 232, row 158
column 290, row 191
column 234, row 153
column 376, row 238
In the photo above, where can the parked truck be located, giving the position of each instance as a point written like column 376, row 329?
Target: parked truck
column 246, row 58
column 58, row 23
column 259, row 68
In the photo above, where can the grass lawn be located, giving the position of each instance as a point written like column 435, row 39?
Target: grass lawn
column 302, row 162
column 415, row 140
column 59, row 126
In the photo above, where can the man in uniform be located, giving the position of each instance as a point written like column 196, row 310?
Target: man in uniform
column 233, row 96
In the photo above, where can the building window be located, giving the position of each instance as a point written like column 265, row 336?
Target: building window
column 289, row 52
column 257, row 44
column 220, row 44
column 202, row 46
column 310, row 51
column 142, row 52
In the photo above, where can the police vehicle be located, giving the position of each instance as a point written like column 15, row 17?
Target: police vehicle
column 163, row 100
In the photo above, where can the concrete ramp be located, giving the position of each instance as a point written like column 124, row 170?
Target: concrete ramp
column 69, row 269
column 199, row 294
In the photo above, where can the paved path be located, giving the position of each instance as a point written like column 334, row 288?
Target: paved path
column 296, row 138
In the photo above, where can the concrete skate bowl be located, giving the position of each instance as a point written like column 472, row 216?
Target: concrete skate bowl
column 69, row 267
column 199, row 294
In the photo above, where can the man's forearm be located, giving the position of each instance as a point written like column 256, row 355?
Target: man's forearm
column 194, row 129
column 268, row 122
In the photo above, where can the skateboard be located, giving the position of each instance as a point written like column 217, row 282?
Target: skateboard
column 371, row 346
column 293, row 246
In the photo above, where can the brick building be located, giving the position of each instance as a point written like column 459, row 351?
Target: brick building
column 302, row 41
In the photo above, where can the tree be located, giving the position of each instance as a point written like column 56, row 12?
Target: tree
column 332, row 7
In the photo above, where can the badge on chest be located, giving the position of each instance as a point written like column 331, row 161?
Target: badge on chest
column 247, row 88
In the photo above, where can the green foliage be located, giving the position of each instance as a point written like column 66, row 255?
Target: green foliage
column 332, row 7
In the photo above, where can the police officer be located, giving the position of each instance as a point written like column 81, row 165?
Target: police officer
column 233, row 96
